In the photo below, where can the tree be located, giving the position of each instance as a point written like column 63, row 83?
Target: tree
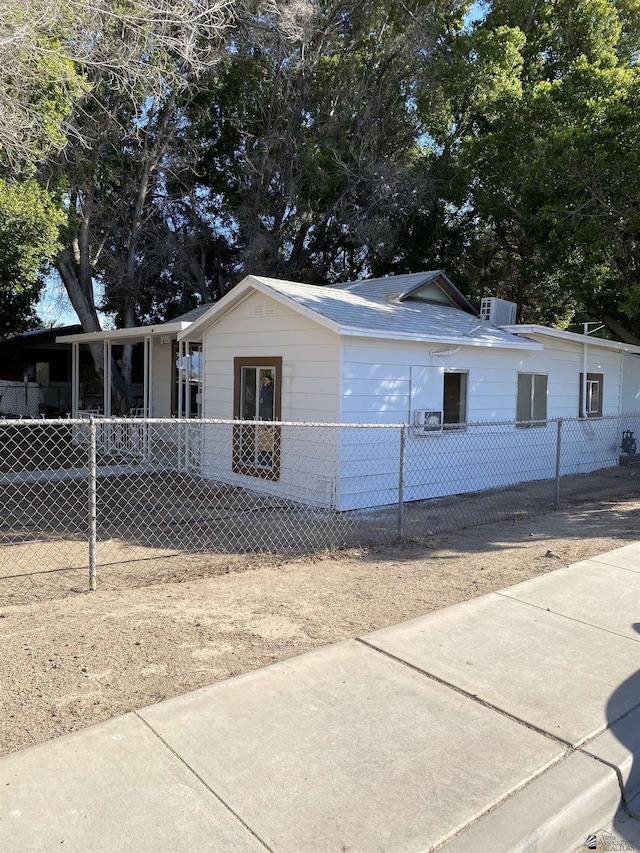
column 36, row 93
column 312, row 148
column 93, row 88
column 29, row 223
column 536, row 123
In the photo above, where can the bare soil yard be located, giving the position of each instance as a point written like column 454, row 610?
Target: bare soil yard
column 71, row 662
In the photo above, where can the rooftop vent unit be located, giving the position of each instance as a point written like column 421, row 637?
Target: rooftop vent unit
column 498, row 312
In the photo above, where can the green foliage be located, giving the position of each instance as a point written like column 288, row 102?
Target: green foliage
column 39, row 82
column 538, row 125
column 360, row 137
column 314, row 150
column 29, row 223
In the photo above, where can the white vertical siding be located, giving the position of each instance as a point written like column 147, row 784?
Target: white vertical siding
column 262, row 327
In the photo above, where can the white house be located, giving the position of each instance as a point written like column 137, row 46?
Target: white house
column 404, row 349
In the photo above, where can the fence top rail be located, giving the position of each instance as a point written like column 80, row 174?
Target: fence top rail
column 38, row 423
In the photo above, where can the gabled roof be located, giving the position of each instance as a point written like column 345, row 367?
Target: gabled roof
column 375, row 308
column 194, row 314
column 411, row 286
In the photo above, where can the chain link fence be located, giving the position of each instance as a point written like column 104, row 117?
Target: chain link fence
column 129, row 501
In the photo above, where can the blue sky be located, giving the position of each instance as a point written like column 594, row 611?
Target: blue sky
column 54, row 307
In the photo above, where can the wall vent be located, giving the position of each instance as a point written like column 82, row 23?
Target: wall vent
column 498, row 312
column 262, row 310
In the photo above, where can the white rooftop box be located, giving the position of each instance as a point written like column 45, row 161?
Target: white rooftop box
column 498, row 312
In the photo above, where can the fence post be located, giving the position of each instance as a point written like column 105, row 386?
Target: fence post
column 92, row 504
column 558, row 461
column 403, row 430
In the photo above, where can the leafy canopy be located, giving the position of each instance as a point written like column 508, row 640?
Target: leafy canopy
column 29, row 223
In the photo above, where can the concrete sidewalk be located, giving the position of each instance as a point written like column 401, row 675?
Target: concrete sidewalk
column 507, row 723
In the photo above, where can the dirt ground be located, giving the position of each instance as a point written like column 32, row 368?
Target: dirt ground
column 71, row 662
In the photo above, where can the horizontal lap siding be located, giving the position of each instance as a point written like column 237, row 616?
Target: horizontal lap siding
column 590, row 444
column 310, row 368
column 377, row 388
column 478, row 458
column 564, row 363
column 309, row 352
column 448, row 464
column 475, row 459
column 379, row 372
column 369, row 467
column 308, row 464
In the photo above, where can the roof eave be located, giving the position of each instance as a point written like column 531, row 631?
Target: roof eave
column 451, row 340
column 571, row 337
column 132, row 335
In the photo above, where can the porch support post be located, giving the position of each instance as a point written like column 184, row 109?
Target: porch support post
column 583, row 413
column 106, row 349
column 181, row 434
column 180, row 385
column 75, row 379
column 146, row 398
column 150, row 379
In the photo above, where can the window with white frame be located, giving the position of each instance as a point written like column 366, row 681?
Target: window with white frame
column 593, row 399
column 531, row 405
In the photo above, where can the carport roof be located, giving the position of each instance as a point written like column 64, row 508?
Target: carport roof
column 139, row 333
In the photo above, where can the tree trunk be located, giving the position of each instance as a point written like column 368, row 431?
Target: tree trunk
column 621, row 331
column 83, row 304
